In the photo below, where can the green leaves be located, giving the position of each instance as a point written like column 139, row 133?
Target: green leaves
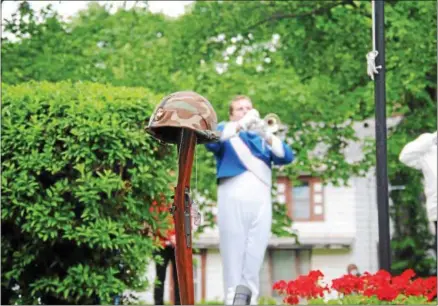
column 74, row 166
column 76, row 161
column 82, row 281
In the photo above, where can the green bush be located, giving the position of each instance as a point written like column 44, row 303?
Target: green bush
column 267, row 300
column 78, row 175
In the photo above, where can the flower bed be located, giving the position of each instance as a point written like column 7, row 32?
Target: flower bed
column 379, row 288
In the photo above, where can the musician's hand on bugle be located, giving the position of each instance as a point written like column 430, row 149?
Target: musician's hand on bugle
column 261, row 128
column 249, row 119
column 233, row 128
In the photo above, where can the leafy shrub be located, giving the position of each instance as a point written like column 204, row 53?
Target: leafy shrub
column 78, row 176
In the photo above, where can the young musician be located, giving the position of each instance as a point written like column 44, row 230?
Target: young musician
column 244, row 156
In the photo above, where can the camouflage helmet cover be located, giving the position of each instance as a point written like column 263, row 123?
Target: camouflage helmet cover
column 183, row 109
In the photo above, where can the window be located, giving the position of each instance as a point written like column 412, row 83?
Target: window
column 304, row 198
column 301, row 195
column 282, row 264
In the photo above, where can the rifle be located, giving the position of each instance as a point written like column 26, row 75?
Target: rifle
column 181, row 212
column 175, row 120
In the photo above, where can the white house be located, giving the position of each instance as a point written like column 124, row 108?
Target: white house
column 336, row 226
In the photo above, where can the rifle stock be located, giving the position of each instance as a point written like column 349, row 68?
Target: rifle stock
column 182, row 217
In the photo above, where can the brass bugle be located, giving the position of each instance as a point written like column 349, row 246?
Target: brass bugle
column 273, row 122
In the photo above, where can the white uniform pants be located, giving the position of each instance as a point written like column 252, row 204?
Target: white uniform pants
column 244, row 220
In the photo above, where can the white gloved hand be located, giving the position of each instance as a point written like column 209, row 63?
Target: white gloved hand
column 261, row 129
column 250, row 118
column 267, row 135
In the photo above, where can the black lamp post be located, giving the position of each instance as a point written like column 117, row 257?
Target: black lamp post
column 381, row 150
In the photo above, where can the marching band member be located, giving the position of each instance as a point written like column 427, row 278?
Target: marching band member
column 244, row 156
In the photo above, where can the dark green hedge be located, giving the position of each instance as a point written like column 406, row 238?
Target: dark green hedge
column 78, row 176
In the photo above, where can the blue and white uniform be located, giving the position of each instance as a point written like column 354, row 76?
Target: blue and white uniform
column 243, row 164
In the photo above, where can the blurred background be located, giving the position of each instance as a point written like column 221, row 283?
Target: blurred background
column 79, row 174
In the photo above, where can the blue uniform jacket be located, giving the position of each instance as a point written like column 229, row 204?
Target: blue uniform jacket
column 227, row 161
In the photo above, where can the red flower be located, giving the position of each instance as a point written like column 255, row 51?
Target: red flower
column 408, row 274
column 291, row 300
column 430, row 285
column 431, row 296
column 402, row 281
column 348, row 284
column 381, row 285
column 423, row 287
column 315, row 274
column 369, row 292
column 280, row 286
column 304, row 286
column 415, row 288
column 386, row 293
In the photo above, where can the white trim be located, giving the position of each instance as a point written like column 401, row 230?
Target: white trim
column 320, row 241
column 251, row 163
column 277, row 147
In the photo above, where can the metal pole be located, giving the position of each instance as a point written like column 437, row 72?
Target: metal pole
column 381, row 152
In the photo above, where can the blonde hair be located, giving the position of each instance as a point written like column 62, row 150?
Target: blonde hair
column 237, row 98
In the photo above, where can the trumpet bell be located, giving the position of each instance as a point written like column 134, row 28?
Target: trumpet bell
column 272, row 122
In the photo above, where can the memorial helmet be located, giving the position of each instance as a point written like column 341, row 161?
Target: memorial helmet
column 183, row 109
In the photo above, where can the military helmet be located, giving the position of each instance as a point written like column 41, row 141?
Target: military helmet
column 183, row 109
